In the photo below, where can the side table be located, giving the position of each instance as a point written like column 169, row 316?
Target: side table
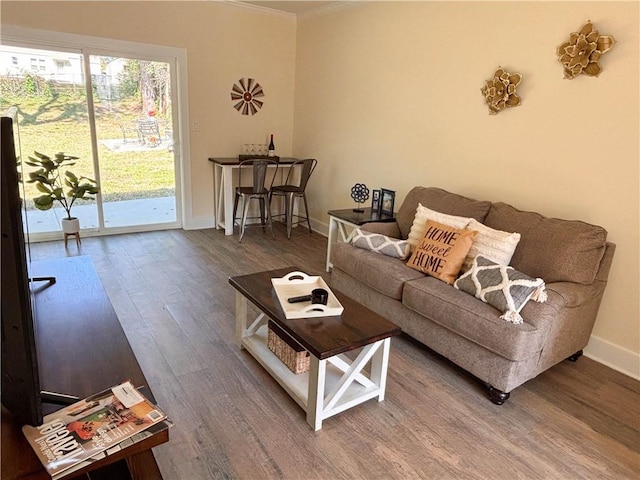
column 342, row 225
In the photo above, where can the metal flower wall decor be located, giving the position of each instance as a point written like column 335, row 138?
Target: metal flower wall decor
column 500, row 90
column 246, row 93
column 582, row 52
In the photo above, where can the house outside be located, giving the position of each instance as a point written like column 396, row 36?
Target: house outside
column 62, row 68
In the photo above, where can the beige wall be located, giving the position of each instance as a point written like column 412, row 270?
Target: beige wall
column 223, row 43
column 388, row 93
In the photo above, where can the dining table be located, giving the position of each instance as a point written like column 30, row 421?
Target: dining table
column 224, row 188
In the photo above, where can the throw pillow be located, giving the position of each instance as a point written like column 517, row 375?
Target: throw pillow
column 392, row 247
column 502, row 287
column 493, row 244
column 441, row 251
column 419, row 223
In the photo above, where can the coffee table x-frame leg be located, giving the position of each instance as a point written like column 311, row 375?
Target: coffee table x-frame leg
column 332, row 385
column 323, row 404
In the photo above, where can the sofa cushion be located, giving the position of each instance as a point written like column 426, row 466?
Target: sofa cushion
column 467, row 316
column 553, row 249
column 441, row 251
column 441, row 201
column 383, row 274
column 382, row 244
column 501, row 286
column 419, row 225
column 493, row 244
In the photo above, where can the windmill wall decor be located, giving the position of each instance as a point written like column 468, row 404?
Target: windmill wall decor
column 246, row 93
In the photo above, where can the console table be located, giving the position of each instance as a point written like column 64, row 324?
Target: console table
column 342, row 224
column 223, row 189
column 82, row 350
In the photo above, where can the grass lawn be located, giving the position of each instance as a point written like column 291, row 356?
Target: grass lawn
column 61, row 124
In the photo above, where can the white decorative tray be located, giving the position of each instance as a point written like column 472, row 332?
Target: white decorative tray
column 296, row 284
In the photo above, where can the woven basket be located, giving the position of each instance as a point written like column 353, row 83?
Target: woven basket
column 287, row 350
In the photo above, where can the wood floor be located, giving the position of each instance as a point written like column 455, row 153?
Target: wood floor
column 232, row 420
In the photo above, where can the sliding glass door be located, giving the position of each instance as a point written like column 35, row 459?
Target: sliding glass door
column 116, row 114
column 133, row 117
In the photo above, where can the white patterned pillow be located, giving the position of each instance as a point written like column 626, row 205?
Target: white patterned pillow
column 493, row 244
column 502, row 287
column 419, row 226
column 392, row 247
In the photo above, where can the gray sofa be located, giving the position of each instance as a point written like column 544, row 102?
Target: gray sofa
column 572, row 257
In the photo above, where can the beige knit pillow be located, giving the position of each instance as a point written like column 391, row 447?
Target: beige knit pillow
column 493, row 244
column 420, row 223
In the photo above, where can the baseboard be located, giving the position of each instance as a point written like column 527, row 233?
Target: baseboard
column 320, row 227
column 614, row 356
column 198, row 223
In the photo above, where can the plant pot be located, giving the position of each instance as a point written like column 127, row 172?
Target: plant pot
column 70, row 225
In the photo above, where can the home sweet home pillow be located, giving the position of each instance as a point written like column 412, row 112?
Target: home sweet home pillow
column 441, row 251
column 418, row 228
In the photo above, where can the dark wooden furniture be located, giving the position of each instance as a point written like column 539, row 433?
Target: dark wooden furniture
column 342, row 220
column 82, row 350
column 360, row 218
column 334, row 382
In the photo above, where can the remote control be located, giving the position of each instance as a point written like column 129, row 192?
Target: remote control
column 302, row 298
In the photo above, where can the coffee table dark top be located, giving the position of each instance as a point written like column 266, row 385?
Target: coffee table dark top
column 323, row 337
column 360, row 218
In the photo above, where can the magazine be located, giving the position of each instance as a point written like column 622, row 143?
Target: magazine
column 84, row 431
column 138, row 437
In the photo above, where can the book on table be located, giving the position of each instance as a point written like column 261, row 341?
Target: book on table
column 94, row 428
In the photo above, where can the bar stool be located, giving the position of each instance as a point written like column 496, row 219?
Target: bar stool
column 290, row 191
column 257, row 191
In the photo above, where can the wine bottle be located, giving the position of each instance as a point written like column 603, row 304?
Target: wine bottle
column 272, row 147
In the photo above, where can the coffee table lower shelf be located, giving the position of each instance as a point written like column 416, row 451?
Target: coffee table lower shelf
column 331, row 385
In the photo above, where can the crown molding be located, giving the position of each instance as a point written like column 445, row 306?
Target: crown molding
column 333, row 7
column 309, row 13
column 259, row 9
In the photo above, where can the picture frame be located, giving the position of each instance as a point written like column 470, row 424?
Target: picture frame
column 387, row 200
column 375, row 201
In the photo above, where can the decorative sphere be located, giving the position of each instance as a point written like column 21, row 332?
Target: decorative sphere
column 360, row 193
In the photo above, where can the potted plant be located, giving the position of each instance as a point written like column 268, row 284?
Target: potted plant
column 50, row 180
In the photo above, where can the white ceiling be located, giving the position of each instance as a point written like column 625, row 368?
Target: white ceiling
column 295, row 7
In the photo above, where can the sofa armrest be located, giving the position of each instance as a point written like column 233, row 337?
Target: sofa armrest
column 564, row 299
column 390, row 229
column 567, row 319
column 605, row 263
column 571, row 294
